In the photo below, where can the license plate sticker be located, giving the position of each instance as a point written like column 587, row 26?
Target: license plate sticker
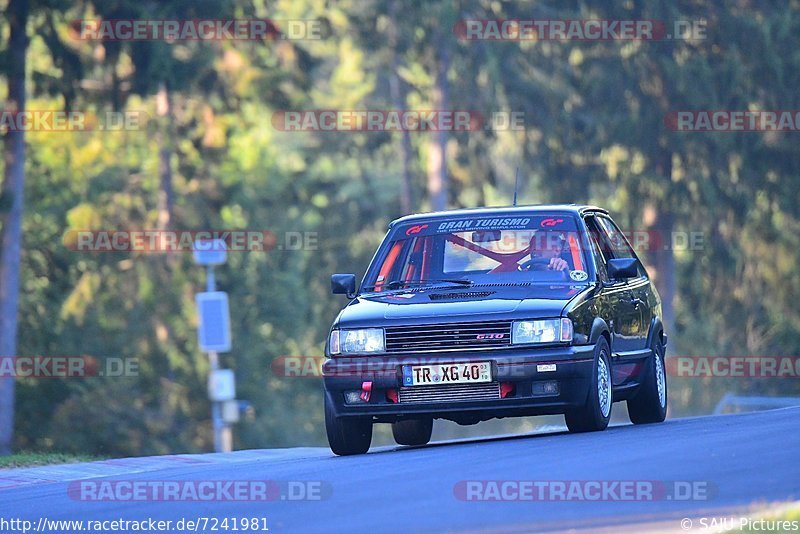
column 447, row 373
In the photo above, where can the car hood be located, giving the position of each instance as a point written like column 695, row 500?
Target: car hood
column 482, row 302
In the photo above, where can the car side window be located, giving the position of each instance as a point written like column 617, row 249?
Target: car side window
column 620, row 248
column 594, row 237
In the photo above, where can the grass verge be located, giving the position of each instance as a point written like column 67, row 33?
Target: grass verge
column 31, row 459
column 784, row 519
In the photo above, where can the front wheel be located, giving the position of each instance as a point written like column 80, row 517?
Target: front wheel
column 596, row 411
column 413, row 431
column 347, row 435
column 649, row 405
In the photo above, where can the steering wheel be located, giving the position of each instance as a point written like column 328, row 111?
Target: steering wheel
column 541, row 261
column 535, row 261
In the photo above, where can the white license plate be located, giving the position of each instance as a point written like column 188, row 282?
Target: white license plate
column 447, row 373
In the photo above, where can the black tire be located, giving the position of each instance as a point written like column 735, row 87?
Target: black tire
column 347, row 435
column 413, row 431
column 589, row 417
column 646, row 406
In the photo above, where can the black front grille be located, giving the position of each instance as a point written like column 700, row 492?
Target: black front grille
column 452, row 336
column 449, row 393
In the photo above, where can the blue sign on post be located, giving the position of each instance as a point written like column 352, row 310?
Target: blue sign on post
column 210, row 251
column 214, row 330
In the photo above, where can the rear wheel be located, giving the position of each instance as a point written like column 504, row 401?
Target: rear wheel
column 347, row 435
column 649, row 405
column 413, row 431
column 596, row 411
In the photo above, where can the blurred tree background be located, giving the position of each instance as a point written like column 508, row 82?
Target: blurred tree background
column 209, row 157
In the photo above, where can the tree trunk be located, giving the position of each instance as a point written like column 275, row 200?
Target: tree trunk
column 437, row 146
column 11, row 231
column 406, row 191
column 660, row 222
column 398, row 102
column 165, row 194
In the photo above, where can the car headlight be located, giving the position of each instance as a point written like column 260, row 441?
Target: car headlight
column 542, row 331
column 356, row 341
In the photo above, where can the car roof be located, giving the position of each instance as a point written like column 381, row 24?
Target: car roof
column 577, row 209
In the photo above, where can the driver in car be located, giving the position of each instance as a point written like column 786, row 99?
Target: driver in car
column 545, row 250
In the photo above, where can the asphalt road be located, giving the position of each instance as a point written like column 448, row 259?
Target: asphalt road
column 730, row 461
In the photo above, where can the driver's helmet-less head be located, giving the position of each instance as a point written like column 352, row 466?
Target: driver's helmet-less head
column 547, row 244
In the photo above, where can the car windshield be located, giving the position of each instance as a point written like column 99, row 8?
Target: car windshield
column 501, row 249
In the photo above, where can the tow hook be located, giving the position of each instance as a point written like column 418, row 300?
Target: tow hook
column 366, row 390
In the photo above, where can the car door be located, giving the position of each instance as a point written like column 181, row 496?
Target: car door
column 637, row 310
column 617, row 296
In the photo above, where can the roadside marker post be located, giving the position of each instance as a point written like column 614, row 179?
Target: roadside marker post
column 214, row 337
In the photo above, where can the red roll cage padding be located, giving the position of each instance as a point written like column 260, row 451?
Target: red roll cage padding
column 577, row 262
column 508, row 260
column 387, row 265
column 412, row 269
column 425, row 253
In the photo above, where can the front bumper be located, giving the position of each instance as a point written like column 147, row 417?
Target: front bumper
column 515, row 369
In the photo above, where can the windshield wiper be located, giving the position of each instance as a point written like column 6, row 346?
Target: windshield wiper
column 399, row 284
column 461, row 281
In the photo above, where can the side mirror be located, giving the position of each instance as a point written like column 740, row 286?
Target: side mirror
column 623, row 268
column 343, row 284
